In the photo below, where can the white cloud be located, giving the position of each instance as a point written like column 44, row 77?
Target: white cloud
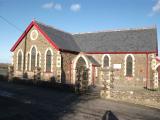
column 155, row 9
column 48, row 5
column 58, row 6
column 75, row 7
column 52, row 5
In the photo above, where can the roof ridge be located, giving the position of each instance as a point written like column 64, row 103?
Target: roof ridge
column 117, row 30
column 53, row 27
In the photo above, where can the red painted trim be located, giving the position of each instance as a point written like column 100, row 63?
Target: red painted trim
column 158, row 59
column 22, row 36
column 157, row 52
column 69, row 51
column 146, row 70
column 134, row 52
column 33, row 23
column 95, row 65
column 46, row 36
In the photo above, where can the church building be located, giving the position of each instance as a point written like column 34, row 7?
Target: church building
column 60, row 55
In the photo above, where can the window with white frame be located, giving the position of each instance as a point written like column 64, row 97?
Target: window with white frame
column 106, row 61
column 48, row 61
column 38, row 60
column 129, row 65
column 33, row 58
column 28, row 60
column 20, row 60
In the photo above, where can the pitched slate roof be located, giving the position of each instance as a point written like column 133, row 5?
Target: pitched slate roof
column 92, row 60
column 62, row 39
column 131, row 40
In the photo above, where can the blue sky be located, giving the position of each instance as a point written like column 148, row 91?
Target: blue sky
column 74, row 16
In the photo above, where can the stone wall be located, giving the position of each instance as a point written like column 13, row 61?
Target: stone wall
column 41, row 45
column 67, row 67
column 121, row 81
column 143, row 97
column 62, row 66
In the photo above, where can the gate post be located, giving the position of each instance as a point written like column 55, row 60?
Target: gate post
column 105, row 92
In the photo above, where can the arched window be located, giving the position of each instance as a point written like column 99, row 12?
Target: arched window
column 48, row 61
column 28, row 60
column 106, row 61
column 81, row 69
column 20, row 61
column 38, row 60
column 33, row 58
column 129, row 66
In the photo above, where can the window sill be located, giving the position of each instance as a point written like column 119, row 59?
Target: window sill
column 129, row 76
column 48, row 72
column 29, row 71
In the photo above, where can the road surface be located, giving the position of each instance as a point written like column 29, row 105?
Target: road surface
column 21, row 102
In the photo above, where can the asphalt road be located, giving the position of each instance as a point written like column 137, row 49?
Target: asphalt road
column 20, row 102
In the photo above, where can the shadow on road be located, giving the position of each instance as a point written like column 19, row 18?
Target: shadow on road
column 109, row 116
column 33, row 103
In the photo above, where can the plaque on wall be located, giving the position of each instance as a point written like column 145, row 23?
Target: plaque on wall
column 117, row 66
